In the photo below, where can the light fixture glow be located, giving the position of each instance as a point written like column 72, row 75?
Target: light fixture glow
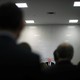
column 76, row 4
column 29, row 21
column 73, row 21
column 21, row 5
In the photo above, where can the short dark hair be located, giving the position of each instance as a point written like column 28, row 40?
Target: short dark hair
column 25, row 46
column 65, row 51
column 10, row 16
column 55, row 54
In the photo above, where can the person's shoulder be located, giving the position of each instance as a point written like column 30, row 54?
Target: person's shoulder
column 29, row 55
column 35, row 56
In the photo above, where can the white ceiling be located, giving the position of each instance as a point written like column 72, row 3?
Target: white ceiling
column 37, row 11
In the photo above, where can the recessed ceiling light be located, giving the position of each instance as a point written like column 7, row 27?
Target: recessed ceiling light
column 21, row 5
column 50, row 12
column 76, row 4
column 29, row 21
column 73, row 21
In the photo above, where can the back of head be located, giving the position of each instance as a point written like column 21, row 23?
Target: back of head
column 25, row 46
column 55, row 54
column 65, row 51
column 10, row 17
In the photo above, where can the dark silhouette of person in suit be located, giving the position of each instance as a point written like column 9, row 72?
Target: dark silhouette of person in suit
column 78, row 69
column 49, row 64
column 15, row 62
column 63, row 69
column 44, row 66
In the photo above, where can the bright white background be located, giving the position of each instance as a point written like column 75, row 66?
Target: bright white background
column 45, row 38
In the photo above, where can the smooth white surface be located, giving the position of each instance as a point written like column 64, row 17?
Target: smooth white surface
column 48, row 37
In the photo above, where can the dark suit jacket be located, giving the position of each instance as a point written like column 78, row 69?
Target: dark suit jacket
column 62, row 70
column 15, row 62
column 51, row 63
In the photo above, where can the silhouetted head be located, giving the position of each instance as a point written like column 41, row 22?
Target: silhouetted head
column 11, row 18
column 55, row 54
column 25, row 46
column 65, row 51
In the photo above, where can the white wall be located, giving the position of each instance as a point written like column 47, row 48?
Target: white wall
column 45, row 38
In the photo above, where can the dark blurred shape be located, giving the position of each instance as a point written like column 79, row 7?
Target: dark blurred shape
column 63, row 69
column 65, row 51
column 49, row 64
column 79, row 64
column 10, row 17
column 50, row 12
column 44, row 66
column 15, row 62
column 25, row 46
column 55, row 54
column 78, row 68
column 52, row 64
